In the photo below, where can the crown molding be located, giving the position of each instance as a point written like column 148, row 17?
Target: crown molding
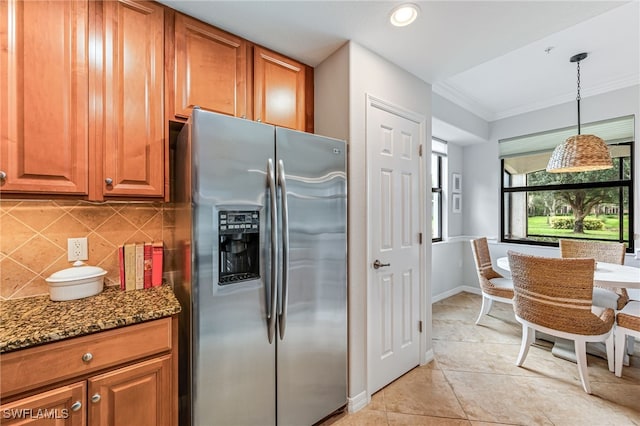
column 610, row 86
column 454, row 95
column 459, row 98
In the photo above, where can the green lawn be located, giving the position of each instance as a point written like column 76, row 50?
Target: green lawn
column 538, row 225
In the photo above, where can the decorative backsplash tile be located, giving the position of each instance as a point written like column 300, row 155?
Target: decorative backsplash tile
column 33, row 238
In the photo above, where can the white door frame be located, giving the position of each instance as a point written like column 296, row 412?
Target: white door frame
column 374, row 102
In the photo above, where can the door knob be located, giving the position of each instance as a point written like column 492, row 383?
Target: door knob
column 377, row 264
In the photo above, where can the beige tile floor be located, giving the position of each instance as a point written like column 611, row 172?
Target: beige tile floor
column 474, row 380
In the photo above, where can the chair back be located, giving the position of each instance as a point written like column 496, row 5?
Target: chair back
column 600, row 251
column 482, row 258
column 556, row 293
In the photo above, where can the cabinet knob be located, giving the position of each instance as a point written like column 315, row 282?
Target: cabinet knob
column 258, row 120
column 95, row 398
column 76, row 406
column 108, row 181
column 3, row 175
column 87, row 357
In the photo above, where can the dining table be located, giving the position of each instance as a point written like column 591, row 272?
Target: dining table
column 605, row 275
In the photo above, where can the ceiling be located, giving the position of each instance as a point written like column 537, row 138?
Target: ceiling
column 486, row 56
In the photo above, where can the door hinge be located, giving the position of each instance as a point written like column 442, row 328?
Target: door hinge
column 420, row 326
column 420, row 238
column 420, row 150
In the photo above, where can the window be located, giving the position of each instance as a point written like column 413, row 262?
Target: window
column 439, row 151
column 540, row 207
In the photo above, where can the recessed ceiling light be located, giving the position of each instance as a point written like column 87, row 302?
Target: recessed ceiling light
column 404, row 14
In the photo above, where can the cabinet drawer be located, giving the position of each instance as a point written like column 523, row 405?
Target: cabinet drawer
column 28, row 369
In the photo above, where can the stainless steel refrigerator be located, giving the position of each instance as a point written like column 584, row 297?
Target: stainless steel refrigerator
column 261, row 223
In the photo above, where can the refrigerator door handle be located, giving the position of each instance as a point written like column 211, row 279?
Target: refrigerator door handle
column 282, row 182
column 271, row 309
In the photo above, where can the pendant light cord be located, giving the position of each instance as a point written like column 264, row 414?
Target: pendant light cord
column 578, row 97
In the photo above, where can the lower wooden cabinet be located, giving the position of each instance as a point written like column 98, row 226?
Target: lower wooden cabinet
column 125, row 376
column 136, row 395
column 64, row 405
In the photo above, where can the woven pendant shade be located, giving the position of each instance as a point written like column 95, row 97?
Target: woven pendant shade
column 580, row 153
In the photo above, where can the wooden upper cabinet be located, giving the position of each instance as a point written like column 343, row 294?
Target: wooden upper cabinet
column 210, row 69
column 279, row 86
column 44, row 117
column 131, row 127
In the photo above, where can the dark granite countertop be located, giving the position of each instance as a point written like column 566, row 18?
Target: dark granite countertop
column 36, row 320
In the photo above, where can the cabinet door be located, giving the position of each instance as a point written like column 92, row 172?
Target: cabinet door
column 63, row 406
column 44, row 96
column 279, row 89
column 132, row 126
column 136, row 395
column 210, row 69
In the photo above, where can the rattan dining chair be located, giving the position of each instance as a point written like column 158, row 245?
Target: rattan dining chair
column 627, row 327
column 601, row 252
column 494, row 286
column 553, row 296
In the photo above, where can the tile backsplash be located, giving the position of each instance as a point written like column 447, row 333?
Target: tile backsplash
column 33, row 238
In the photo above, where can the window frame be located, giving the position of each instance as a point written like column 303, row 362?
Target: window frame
column 620, row 183
column 438, row 190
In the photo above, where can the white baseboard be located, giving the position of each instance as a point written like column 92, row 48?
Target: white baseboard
column 452, row 292
column 358, row 402
column 429, row 356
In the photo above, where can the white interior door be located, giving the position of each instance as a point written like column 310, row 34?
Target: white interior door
column 393, row 143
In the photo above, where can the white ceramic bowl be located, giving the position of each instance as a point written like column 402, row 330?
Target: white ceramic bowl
column 76, row 282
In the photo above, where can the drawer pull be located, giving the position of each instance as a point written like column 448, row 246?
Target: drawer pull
column 76, row 406
column 95, row 398
column 87, row 357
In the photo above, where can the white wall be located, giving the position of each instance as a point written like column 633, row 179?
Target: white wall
column 467, row 123
column 448, row 256
column 453, row 223
column 448, row 274
column 331, row 98
column 366, row 73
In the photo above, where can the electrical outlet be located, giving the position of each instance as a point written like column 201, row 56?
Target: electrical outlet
column 77, row 249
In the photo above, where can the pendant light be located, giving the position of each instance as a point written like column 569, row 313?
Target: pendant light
column 580, row 153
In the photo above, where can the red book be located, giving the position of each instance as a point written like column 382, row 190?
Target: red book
column 148, row 251
column 121, row 265
column 156, row 264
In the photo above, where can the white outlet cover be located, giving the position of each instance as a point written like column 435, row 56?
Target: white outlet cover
column 77, row 249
